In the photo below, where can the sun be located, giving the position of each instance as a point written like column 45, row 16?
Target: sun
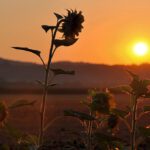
column 140, row 49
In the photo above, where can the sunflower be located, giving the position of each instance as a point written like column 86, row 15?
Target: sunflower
column 139, row 87
column 72, row 24
column 102, row 102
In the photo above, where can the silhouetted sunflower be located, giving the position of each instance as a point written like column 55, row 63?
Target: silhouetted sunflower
column 72, row 24
column 102, row 102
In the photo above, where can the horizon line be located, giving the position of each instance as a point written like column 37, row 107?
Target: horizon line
column 75, row 62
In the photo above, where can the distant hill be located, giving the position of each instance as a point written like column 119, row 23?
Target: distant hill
column 86, row 76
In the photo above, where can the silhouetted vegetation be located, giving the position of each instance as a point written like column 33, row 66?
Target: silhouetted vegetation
column 97, row 122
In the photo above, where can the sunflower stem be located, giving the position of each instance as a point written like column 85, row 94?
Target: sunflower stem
column 90, row 126
column 43, row 103
column 44, row 65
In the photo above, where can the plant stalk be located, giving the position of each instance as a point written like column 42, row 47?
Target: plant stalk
column 43, row 103
column 133, row 127
column 90, row 126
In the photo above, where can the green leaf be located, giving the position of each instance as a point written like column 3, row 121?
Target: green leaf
column 65, row 42
column 62, row 72
column 58, row 16
column 120, row 113
column 80, row 115
column 21, row 103
column 36, row 52
column 146, row 108
column 46, row 28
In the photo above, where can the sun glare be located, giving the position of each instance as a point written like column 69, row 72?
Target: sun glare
column 140, row 49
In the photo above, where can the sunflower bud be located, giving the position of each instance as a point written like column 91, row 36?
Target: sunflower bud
column 3, row 112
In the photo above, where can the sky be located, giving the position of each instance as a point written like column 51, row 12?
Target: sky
column 111, row 29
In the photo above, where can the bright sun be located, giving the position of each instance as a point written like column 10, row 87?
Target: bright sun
column 140, row 49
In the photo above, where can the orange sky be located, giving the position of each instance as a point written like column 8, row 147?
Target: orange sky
column 110, row 30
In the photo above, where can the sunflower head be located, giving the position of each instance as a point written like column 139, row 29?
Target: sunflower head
column 72, row 24
column 102, row 102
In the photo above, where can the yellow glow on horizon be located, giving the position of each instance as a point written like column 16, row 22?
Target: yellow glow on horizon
column 140, row 49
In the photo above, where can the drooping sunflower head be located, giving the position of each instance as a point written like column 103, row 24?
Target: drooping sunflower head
column 72, row 24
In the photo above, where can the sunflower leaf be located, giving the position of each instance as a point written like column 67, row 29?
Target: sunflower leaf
column 36, row 52
column 65, row 42
column 21, row 103
column 62, row 72
column 58, row 16
column 46, row 28
column 80, row 115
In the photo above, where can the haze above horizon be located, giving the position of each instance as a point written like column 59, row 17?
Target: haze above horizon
column 111, row 30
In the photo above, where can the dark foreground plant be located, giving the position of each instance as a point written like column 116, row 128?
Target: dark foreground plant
column 102, row 113
column 138, row 89
column 17, row 137
column 70, row 26
column 99, row 122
